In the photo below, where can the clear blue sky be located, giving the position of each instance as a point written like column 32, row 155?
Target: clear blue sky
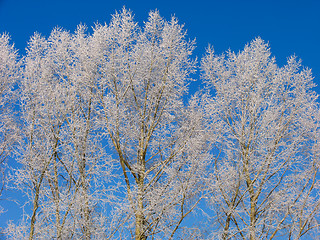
column 291, row 27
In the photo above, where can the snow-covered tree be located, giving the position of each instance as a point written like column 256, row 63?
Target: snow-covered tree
column 144, row 73
column 266, row 179
column 9, row 72
column 61, row 157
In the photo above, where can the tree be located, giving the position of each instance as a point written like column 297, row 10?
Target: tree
column 266, row 178
column 143, row 79
column 61, row 158
column 9, row 72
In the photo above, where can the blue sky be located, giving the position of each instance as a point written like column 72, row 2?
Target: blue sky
column 291, row 27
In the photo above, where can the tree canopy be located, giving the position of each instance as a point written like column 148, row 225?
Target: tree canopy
column 110, row 144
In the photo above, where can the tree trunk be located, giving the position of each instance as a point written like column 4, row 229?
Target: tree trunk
column 140, row 219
